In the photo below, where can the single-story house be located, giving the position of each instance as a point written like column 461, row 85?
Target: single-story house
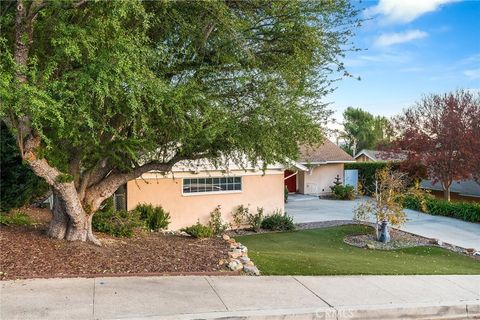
column 322, row 164
column 462, row 190
column 366, row 155
column 193, row 190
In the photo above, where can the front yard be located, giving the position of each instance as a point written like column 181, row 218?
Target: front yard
column 26, row 252
column 323, row 252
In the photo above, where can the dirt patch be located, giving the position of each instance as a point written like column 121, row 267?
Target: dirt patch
column 26, row 252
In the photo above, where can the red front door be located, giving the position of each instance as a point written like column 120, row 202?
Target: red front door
column 291, row 182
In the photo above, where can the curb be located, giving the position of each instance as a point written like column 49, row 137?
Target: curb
column 374, row 312
column 124, row 275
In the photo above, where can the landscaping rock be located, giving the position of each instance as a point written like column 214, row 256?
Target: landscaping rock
column 433, row 241
column 251, row 270
column 470, row 251
column 235, row 265
column 370, row 246
column 235, row 255
column 244, row 259
column 226, row 237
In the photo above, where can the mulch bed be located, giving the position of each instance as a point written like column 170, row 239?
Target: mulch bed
column 399, row 239
column 26, row 252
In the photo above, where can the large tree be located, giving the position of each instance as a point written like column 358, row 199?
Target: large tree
column 99, row 92
column 438, row 132
column 473, row 143
column 362, row 130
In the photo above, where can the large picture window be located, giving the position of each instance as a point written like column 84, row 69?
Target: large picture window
column 201, row 185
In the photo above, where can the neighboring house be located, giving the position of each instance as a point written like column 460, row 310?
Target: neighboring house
column 468, row 189
column 317, row 168
column 377, row 155
column 191, row 191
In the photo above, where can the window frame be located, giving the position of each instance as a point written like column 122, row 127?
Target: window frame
column 227, row 178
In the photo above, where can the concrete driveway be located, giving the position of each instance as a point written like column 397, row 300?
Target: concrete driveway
column 457, row 232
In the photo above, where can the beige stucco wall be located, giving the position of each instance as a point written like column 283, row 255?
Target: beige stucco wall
column 301, row 182
column 321, row 177
column 363, row 158
column 257, row 191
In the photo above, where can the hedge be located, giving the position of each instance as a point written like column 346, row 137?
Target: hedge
column 366, row 173
column 468, row 211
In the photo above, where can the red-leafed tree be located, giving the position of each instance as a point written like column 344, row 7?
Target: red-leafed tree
column 473, row 144
column 438, row 131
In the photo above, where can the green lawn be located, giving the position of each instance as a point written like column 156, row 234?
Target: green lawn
column 323, row 252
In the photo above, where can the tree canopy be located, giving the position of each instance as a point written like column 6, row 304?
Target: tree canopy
column 362, row 130
column 99, row 92
column 441, row 132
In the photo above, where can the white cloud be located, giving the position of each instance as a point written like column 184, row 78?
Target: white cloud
column 404, row 11
column 388, row 39
column 472, row 74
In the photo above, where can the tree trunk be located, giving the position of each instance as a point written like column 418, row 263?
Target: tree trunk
column 446, row 191
column 62, row 226
column 446, row 194
column 60, row 220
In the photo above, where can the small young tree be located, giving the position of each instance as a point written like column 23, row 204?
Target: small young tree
column 385, row 206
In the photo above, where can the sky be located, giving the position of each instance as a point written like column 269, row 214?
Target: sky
column 410, row 48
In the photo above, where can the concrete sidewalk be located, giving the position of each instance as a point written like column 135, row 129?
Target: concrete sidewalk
column 194, row 297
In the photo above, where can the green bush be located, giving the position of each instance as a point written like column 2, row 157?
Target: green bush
column 216, row 223
column 18, row 184
column 366, row 173
column 243, row 217
column 340, row 192
column 198, row 230
column 116, row 223
column 15, row 219
column 254, row 220
column 278, row 222
column 155, row 217
column 467, row 211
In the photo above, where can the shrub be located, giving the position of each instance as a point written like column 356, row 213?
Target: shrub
column 216, row 222
column 116, row 223
column 242, row 216
column 16, row 219
column 467, row 211
column 254, row 220
column 155, row 217
column 366, row 173
column 239, row 216
column 198, row 230
column 18, row 184
column 278, row 222
column 343, row 192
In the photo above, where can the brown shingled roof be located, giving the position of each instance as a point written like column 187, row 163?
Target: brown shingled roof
column 325, row 152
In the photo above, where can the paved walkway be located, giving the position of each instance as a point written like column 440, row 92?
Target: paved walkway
column 329, row 297
column 449, row 230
